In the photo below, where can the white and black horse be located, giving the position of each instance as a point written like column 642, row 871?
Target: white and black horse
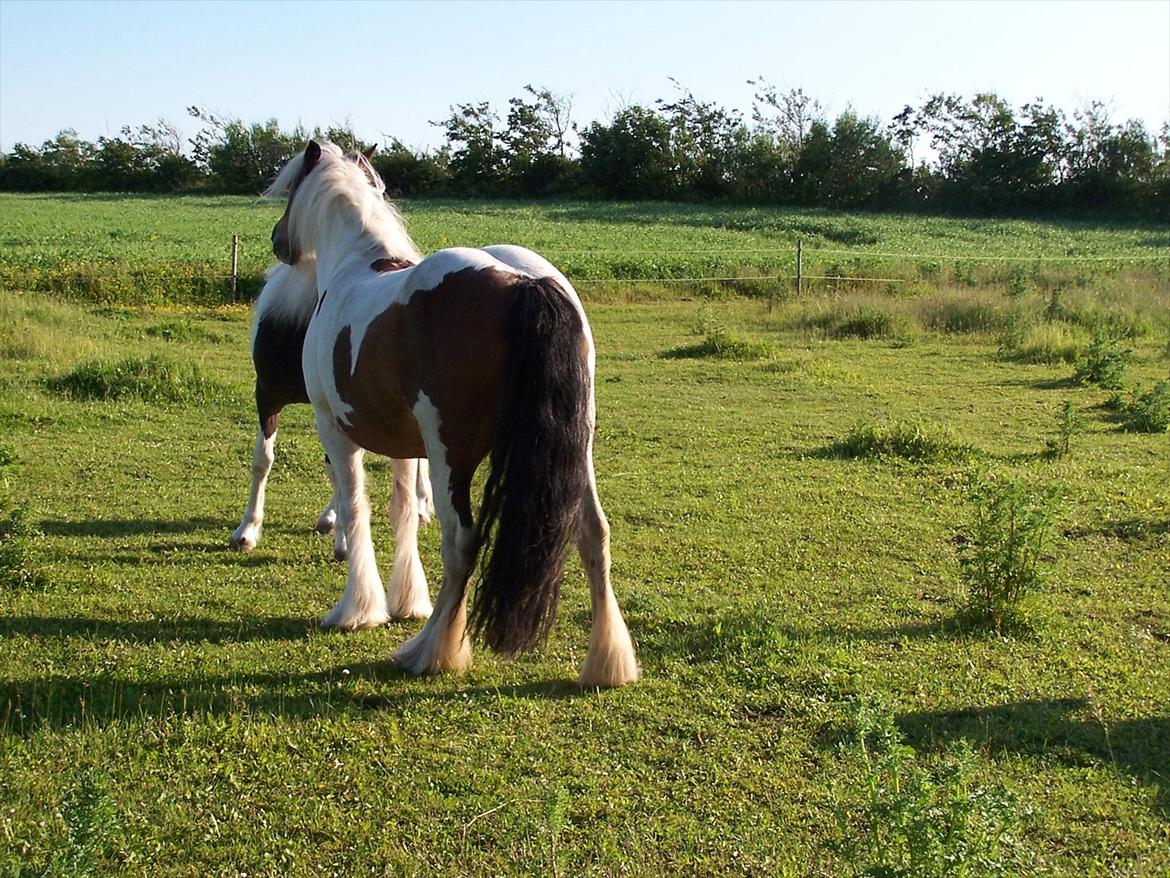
column 469, row 354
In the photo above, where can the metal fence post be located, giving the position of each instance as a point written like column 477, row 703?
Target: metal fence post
column 235, row 263
column 799, row 259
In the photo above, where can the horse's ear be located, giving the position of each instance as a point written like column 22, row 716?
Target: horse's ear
column 368, row 154
column 312, row 155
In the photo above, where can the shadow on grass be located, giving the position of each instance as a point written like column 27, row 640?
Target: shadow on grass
column 103, row 699
column 182, row 630
column 1128, row 530
column 1139, row 747
column 117, row 527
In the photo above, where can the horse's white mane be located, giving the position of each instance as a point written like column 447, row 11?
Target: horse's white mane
column 348, row 178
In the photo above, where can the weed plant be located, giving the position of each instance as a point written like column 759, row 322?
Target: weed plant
column 92, row 830
column 1147, row 412
column 1002, row 550
column 917, row 820
column 719, row 343
column 20, row 551
column 1069, row 424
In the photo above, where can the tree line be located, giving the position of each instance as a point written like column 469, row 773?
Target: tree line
column 949, row 154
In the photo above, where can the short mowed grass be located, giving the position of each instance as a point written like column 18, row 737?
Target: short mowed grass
column 785, row 499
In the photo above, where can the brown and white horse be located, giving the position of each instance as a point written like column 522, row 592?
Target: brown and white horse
column 469, row 353
column 282, row 313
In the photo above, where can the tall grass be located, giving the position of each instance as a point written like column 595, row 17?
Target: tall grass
column 152, row 378
column 909, row 440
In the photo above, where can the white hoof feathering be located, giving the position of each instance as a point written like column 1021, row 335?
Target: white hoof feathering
column 433, row 652
column 610, row 662
column 352, row 616
column 413, row 601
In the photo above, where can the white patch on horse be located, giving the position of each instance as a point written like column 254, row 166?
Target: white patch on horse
column 429, row 273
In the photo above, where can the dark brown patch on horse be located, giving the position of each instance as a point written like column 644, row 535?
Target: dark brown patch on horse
column 280, row 380
column 447, row 343
column 390, row 264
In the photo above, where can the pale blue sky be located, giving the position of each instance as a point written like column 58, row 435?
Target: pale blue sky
column 388, row 68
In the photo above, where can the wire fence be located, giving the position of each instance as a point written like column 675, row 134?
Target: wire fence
column 236, row 285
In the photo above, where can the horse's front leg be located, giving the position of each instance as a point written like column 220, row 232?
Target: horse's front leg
column 363, row 603
column 408, row 597
column 247, row 535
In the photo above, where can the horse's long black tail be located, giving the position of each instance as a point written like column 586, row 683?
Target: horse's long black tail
column 539, row 469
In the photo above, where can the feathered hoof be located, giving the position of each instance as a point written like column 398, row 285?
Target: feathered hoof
column 417, row 610
column 609, row 669
column 419, row 656
column 345, row 619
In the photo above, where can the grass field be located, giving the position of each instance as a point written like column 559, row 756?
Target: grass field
column 165, row 249
column 813, row 702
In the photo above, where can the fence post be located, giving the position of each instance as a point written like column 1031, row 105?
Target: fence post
column 235, row 263
column 799, row 259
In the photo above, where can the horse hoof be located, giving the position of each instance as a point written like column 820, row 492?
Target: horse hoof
column 340, row 553
column 324, row 525
column 242, row 544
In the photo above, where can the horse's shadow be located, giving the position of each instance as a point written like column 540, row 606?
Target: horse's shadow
column 129, row 527
column 183, row 630
column 36, row 702
column 167, row 535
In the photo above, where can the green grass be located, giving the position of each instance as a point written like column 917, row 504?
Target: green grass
column 167, row 249
column 169, row 707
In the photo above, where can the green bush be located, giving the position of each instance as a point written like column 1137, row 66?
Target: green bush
column 1103, row 363
column 1002, row 550
column 864, row 322
column 1048, row 343
column 719, row 343
column 962, row 315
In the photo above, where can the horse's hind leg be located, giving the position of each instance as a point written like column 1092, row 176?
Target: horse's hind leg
column 443, row 644
column 426, row 500
column 363, row 603
column 247, row 535
column 408, row 597
column 327, row 520
column 610, row 660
